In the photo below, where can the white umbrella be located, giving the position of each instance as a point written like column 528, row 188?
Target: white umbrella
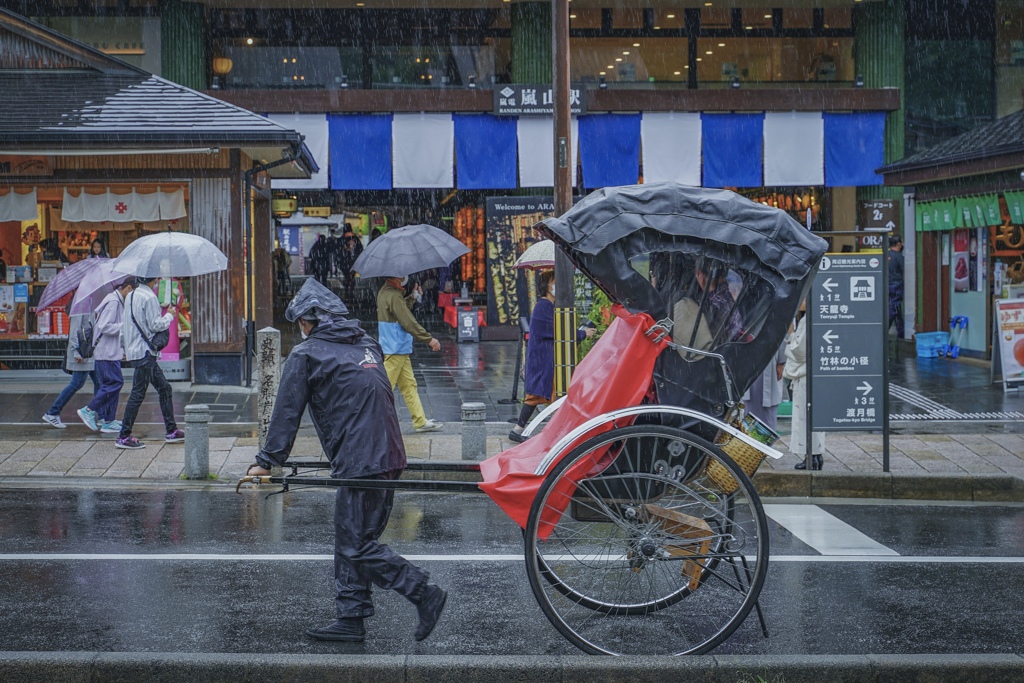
column 171, row 254
column 538, row 256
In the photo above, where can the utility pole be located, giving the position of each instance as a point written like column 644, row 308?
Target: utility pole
column 565, row 313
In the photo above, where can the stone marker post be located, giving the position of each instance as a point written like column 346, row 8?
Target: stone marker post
column 197, row 441
column 268, row 368
column 474, row 431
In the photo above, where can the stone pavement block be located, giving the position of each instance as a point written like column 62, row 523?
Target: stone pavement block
column 506, row 668
column 232, row 469
column 86, row 472
column 791, row 669
column 997, row 487
column 222, row 443
column 578, row 669
column 446, row 447
column 973, row 668
column 933, row 487
column 166, row 667
column 782, row 484
column 54, row 464
column 246, row 453
column 16, row 467
column 852, row 484
column 101, row 455
column 246, row 441
column 113, row 473
column 417, row 448
column 936, row 438
column 217, row 459
column 337, row 668
column 163, row 470
column 8, row 447
column 35, row 453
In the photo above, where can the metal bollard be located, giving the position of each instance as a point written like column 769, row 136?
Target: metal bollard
column 268, row 359
column 197, row 441
column 474, row 431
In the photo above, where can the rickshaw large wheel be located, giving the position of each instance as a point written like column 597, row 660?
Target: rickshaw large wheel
column 631, row 548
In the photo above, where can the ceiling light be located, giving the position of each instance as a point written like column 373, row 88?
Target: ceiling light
column 657, row 28
column 610, row 66
column 721, row 45
column 676, row 73
column 417, row 60
column 707, row 4
column 248, row 41
column 625, row 52
column 749, row 28
column 636, row 44
column 618, row 59
column 700, row 59
column 293, row 60
column 285, row 60
column 670, row 16
column 360, row 4
column 709, row 52
column 602, row 73
column 767, row 16
column 572, row 16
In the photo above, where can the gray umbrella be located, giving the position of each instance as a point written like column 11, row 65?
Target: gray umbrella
column 407, row 250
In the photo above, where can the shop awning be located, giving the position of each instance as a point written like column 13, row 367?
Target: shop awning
column 484, row 152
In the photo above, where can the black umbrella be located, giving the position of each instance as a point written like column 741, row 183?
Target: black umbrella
column 407, row 250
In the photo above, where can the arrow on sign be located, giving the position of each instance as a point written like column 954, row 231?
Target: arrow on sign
column 890, row 226
column 865, row 387
column 829, row 337
column 829, row 285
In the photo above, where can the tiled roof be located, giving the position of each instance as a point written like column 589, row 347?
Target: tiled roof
column 1002, row 136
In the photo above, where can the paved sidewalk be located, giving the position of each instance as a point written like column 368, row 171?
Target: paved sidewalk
column 956, row 459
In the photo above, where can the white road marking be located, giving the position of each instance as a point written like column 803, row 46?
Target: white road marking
column 206, row 557
column 824, row 532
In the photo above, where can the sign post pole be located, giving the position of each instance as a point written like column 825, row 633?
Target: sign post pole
column 847, row 354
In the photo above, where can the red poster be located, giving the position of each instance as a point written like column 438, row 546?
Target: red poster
column 961, row 265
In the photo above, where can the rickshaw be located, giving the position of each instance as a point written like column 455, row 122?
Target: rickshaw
column 643, row 532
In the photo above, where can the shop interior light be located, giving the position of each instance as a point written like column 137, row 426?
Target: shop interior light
column 677, row 73
column 625, row 52
column 735, row 82
column 749, row 28
column 636, row 44
column 670, row 16
column 602, row 73
column 859, row 83
column 602, row 83
column 344, row 81
column 618, row 59
column 472, row 80
column 709, row 52
column 699, row 59
column 657, row 28
column 248, row 41
column 572, row 16
column 721, row 45
column 767, row 16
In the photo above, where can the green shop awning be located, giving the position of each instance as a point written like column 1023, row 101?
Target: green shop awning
column 978, row 211
column 940, row 215
column 1015, row 204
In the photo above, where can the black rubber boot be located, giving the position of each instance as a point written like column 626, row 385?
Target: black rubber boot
column 429, row 608
column 350, row 630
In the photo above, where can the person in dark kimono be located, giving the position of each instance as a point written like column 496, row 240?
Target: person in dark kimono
column 896, row 265
column 540, row 354
column 338, row 373
column 320, row 260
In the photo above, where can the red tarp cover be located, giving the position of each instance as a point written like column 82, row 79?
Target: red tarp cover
column 615, row 374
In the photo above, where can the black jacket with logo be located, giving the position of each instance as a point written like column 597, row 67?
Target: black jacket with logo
column 339, row 373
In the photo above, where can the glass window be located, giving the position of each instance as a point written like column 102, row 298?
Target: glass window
column 665, row 19
column 838, row 17
column 716, row 17
column 584, row 18
column 754, row 18
column 757, row 61
column 402, row 66
column 794, row 17
column 628, row 60
column 288, row 67
column 627, row 18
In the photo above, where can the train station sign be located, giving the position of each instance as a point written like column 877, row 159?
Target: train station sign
column 846, row 343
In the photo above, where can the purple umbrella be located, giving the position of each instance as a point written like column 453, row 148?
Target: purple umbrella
column 68, row 280
column 100, row 282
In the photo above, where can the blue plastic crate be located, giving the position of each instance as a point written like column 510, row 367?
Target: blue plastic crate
column 929, row 344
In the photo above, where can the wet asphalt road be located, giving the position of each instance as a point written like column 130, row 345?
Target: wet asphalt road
column 206, row 593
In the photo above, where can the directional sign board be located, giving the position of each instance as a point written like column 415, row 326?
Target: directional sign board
column 846, row 336
column 879, row 215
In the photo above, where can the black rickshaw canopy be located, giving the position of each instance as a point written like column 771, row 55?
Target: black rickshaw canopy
column 729, row 274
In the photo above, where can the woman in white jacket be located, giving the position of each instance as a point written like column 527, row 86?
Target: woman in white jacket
column 796, row 370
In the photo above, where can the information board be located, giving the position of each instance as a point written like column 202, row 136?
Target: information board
column 1008, row 328
column 846, row 343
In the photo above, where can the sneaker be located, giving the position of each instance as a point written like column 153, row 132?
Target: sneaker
column 89, row 418
column 177, row 436
column 429, row 610
column 129, row 442
column 350, row 630
column 54, row 421
column 111, row 427
column 430, row 426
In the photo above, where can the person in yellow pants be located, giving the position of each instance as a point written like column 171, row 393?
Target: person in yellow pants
column 396, row 328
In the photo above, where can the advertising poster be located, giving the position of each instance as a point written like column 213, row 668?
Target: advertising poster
column 961, row 265
column 509, row 230
column 1010, row 329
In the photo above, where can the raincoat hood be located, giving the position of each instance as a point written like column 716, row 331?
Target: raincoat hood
column 314, row 295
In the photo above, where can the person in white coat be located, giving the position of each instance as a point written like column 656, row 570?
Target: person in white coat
column 796, row 370
column 765, row 394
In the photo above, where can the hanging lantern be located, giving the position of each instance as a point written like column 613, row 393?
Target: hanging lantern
column 222, row 65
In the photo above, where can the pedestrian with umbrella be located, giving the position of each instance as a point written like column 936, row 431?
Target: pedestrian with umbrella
column 78, row 365
column 394, row 256
column 144, row 329
column 107, row 354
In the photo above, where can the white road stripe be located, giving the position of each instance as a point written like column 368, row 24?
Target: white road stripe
column 205, row 557
column 824, row 532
